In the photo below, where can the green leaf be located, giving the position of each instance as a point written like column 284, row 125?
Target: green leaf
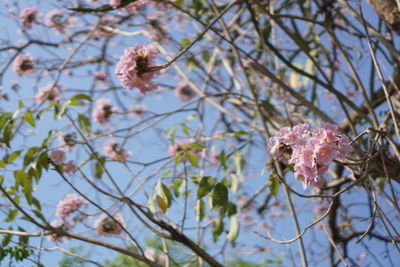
column 8, row 133
column 233, row 229
column 162, row 202
column 200, row 210
column 77, row 97
column 232, row 210
column 20, row 177
column 235, row 182
column 84, row 124
column 240, row 133
column 219, row 196
column 99, row 170
column 46, row 141
column 218, row 228
column 274, row 184
column 12, row 214
column 60, row 109
column 28, row 116
column 206, row 185
column 185, row 42
column 239, row 161
column 185, row 129
column 193, row 159
column 166, row 173
column 13, row 156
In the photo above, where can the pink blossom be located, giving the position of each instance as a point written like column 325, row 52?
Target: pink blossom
column 60, row 225
column 68, row 205
column 49, row 93
column 57, row 157
column 114, row 3
column 24, row 64
column 138, row 111
column 101, row 32
column 134, row 68
column 28, row 16
column 320, row 209
column 67, row 141
column 101, row 77
column 110, row 226
column 103, row 111
column 115, row 151
column 158, row 30
column 70, row 167
column 310, row 151
column 184, row 92
column 132, row 7
column 59, row 20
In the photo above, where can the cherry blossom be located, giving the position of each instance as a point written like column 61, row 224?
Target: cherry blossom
column 114, row 151
column 103, row 111
column 70, row 204
column 24, row 64
column 134, row 68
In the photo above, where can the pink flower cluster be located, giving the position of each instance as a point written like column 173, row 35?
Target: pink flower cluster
column 115, row 151
column 310, row 151
column 130, row 7
column 57, row 157
column 138, row 111
column 109, row 226
column 24, row 64
column 59, row 20
column 184, row 92
column 49, row 93
column 60, row 225
column 28, row 17
column 70, row 204
column 103, row 111
column 134, row 68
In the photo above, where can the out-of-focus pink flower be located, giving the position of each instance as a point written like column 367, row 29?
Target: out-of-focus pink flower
column 103, row 111
column 28, row 16
column 59, row 20
column 115, row 151
column 114, row 3
column 109, row 226
column 320, row 209
column 108, row 21
column 60, row 225
column 24, row 64
column 57, row 157
column 70, row 167
column 138, row 4
column 184, row 92
column 101, row 77
column 134, row 68
column 68, row 205
column 138, row 111
column 184, row 147
column 67, row 141
column 310, row 151
column 49, row 93
column 158, row 29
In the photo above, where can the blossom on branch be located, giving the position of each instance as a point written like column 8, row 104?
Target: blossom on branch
column 57, row 157
column 70, row 204
column 184, row 92
column 49, row 93
column 309, row 151
column 28, row 16
column 115, row 151
column 134, row 68
column 59, row 20
column 24, row 64
column 103, row 111
column 106, row 225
